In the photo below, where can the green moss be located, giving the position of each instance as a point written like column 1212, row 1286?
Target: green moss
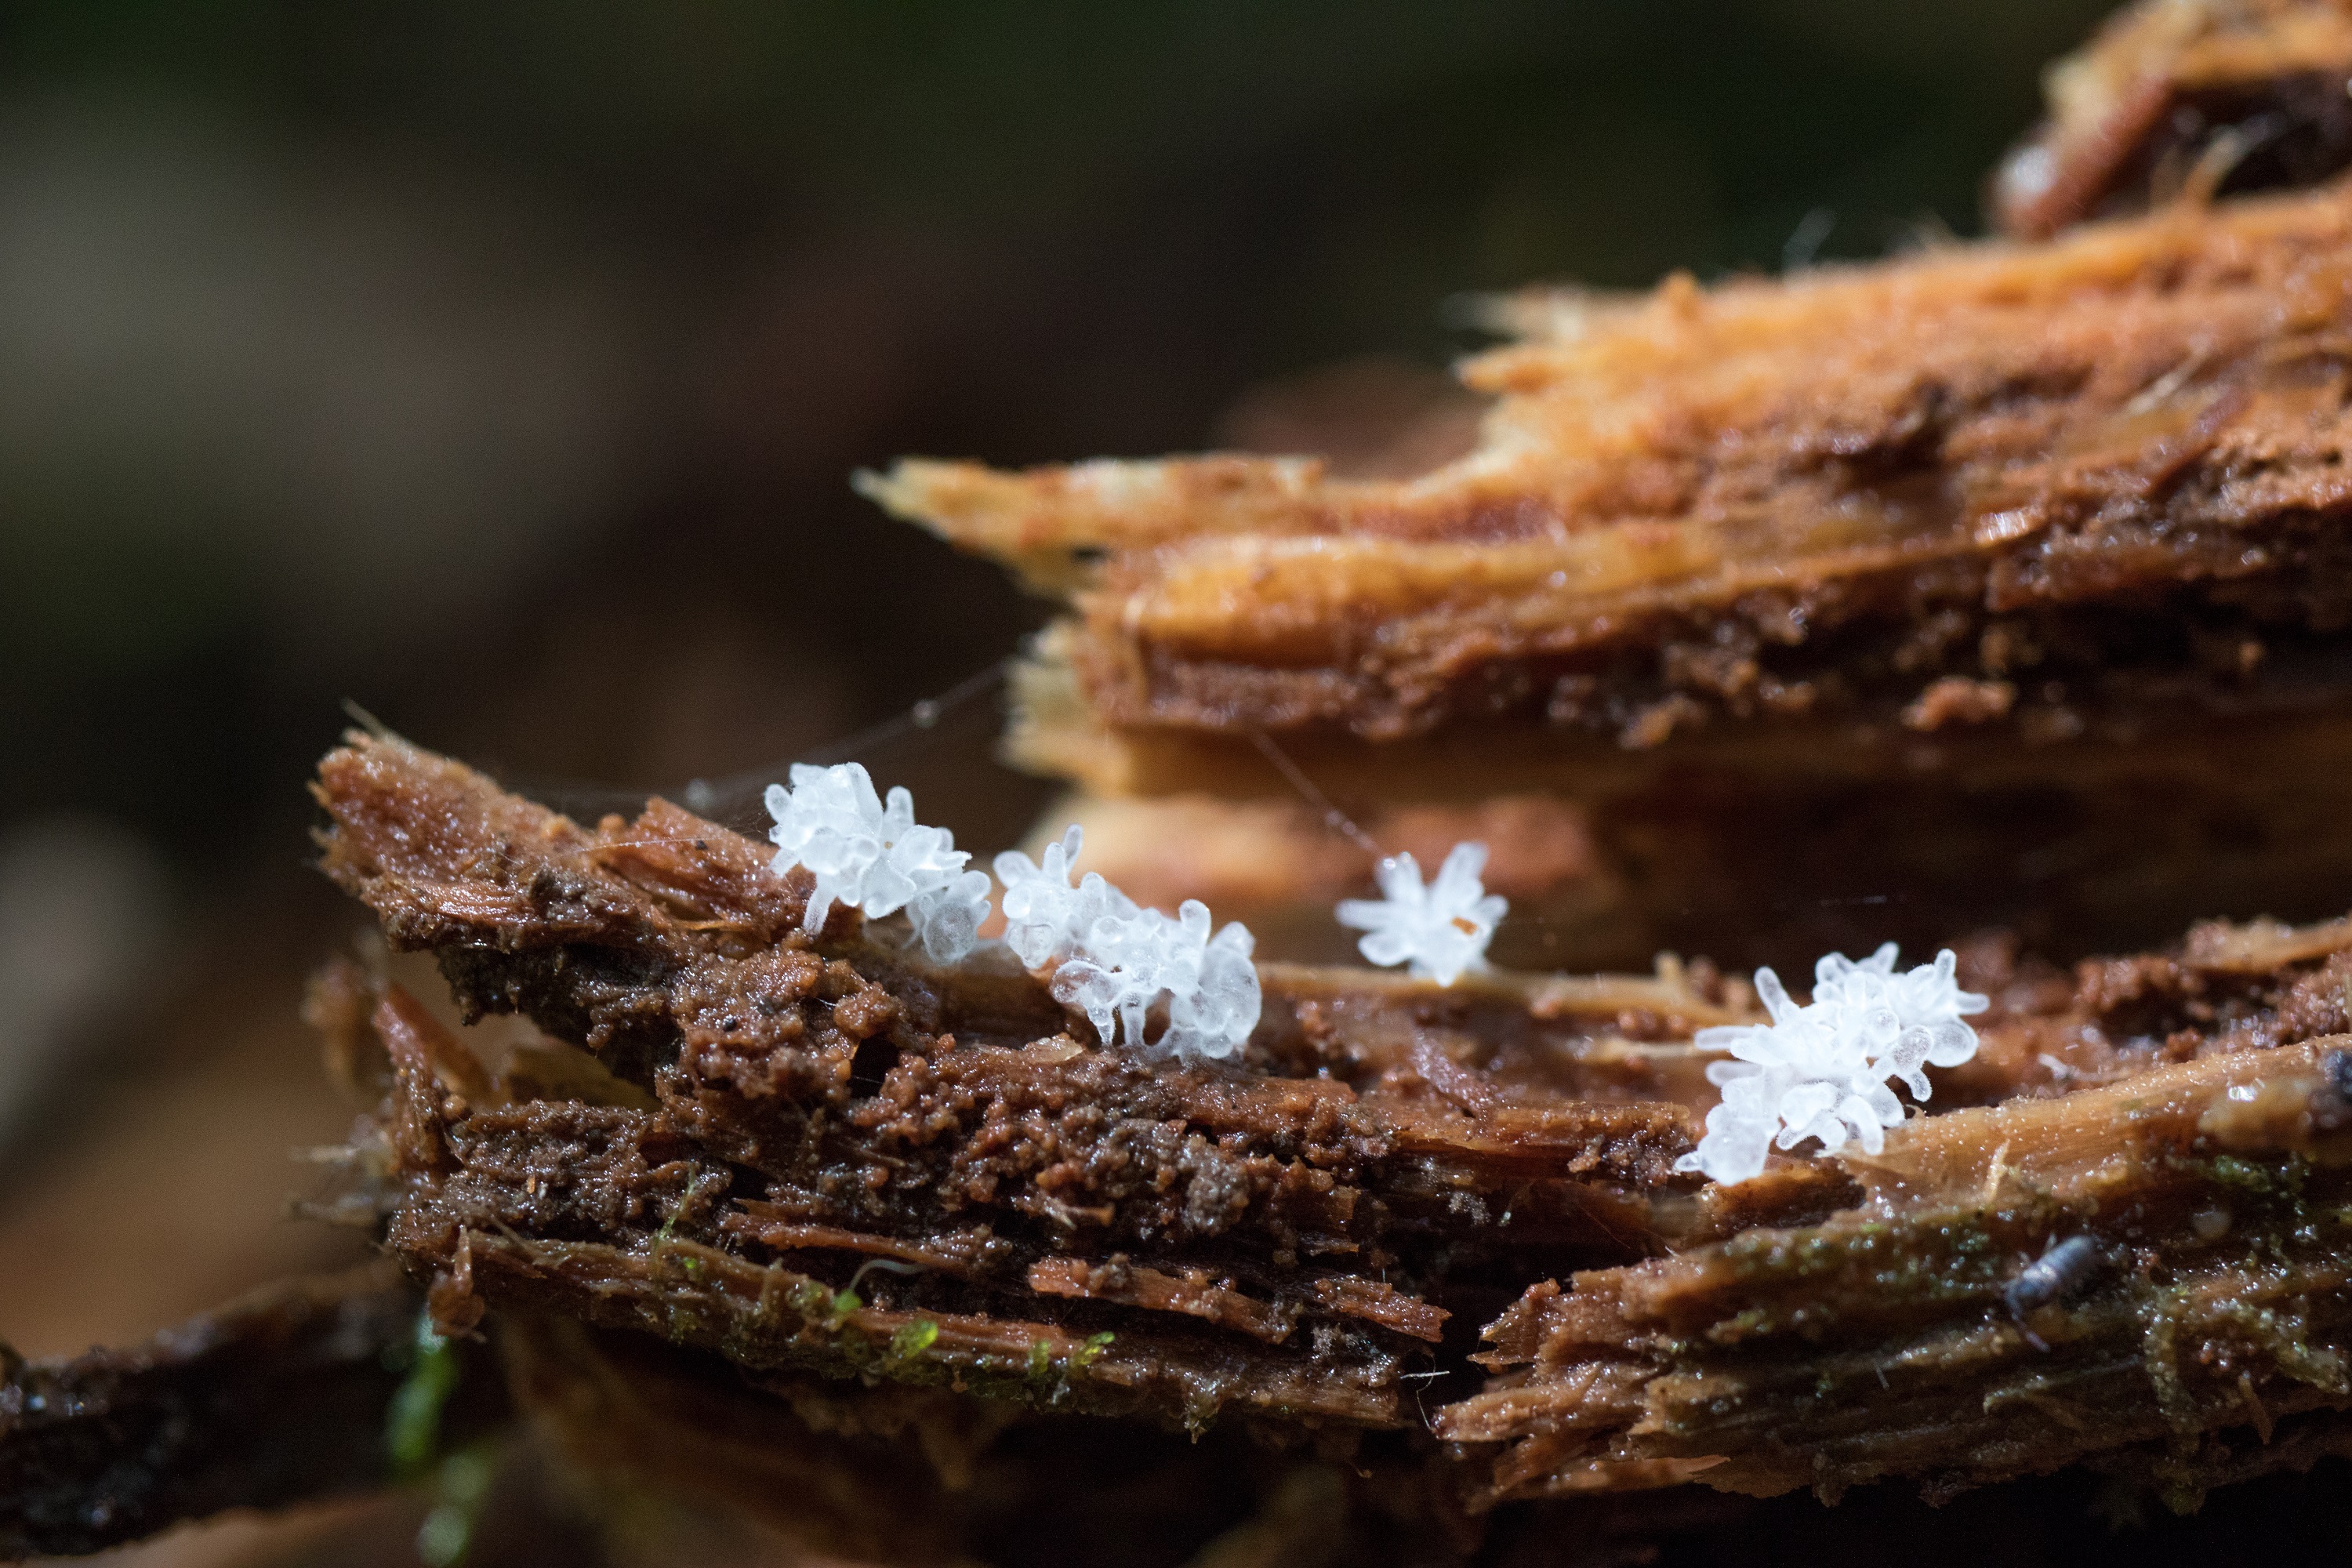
column 2158, row 1355
column 1845, row 1269
column 825, row 1333
column 826, row 1308
column 2232, row 1171
column 912, row 1340
column 1045, row 1377
column 412, row 1430
column 2285, row 1336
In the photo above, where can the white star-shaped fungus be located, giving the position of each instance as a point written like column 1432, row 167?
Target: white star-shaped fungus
column 1441, row 930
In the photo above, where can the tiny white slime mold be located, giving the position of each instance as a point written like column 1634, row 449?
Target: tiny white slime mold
column 1441, row 930
column 876, row 858
column 1120, row 963
column 1821, row 1070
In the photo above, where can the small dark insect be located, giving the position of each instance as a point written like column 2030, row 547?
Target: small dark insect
column 2062, row 1267
column 2331, row 1106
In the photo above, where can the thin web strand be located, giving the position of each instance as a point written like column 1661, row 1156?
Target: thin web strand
column 1337, row 821
column 734, row 801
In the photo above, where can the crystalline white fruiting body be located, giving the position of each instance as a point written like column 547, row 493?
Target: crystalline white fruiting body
column 1116, row 962
column 1442, row 930
column 1821, row 1070
column 1044, row 916
column 876, row 858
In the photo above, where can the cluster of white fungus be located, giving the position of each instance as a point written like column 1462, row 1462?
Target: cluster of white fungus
column 1441, row 930
column 1174, row 986
column 1162, row 984
column 874, row 857
column 1821, row 1070
column 1121, row 965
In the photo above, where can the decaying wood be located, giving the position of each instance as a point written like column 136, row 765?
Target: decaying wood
column 1404, row 1211
column 827, row 1180
column 846, row 1474
column 1997, row 492
column 823, row 1104
column 277, row 1398
column 2185, row 98
column 1994, row 578
column 1881, row 1342
column 2004, row 581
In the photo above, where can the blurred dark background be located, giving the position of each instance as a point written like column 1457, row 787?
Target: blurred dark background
column 501, row 366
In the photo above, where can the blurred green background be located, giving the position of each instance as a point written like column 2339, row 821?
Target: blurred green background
column 501, row 366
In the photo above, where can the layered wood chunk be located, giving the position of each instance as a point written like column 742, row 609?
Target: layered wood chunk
column 2185, row 97
column 2203, row 1213
column 1994, row 497
column 824, row 1158
column 1050, row 1220
column 2005, row 583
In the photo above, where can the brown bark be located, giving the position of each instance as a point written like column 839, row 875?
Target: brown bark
column 1278, row 1241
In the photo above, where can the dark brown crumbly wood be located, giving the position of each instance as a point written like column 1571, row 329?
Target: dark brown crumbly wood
column 1274, row 1236
column 275, row 1399
column 819, row 1180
